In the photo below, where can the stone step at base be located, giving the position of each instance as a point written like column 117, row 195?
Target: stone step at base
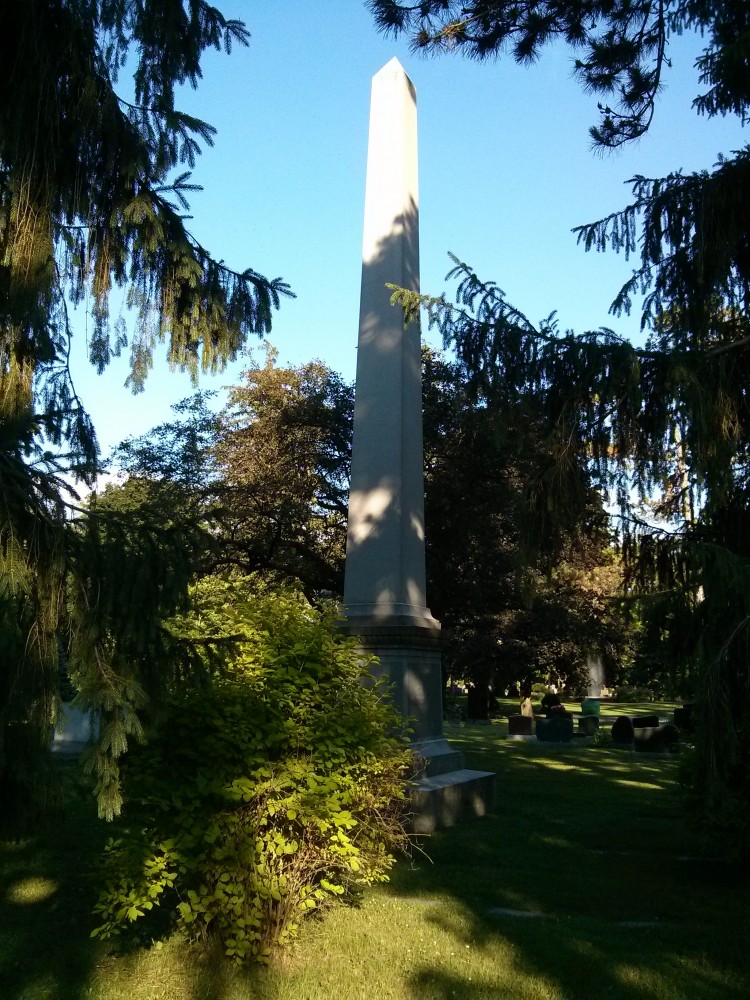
column 442, row 800
column 438, row 757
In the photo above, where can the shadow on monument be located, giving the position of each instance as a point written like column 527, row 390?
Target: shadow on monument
column 385, row 586
column 385, row 599
column 385, row 544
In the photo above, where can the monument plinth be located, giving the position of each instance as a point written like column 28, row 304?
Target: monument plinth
column 384, row 585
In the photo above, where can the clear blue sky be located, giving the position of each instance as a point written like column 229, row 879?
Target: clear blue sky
column 506, row 171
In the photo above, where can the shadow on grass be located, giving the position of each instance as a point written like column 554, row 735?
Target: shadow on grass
column 591, row 876
column 575, row 887
column 47, row 892
column 45, row 904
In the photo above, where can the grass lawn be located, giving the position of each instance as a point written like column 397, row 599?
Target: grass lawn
column 609, row 708
column 587, row 881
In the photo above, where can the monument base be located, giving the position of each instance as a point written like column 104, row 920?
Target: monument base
column 438, row 756
column 409, row 655
column 446, row 792
column 446, row 799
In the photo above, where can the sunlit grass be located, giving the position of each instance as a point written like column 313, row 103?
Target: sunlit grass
column 31, row 890
column 573, row 888
column 608, row 707
column 625, row 783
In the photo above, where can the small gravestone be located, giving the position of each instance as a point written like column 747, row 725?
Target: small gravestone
column 588, row 725
column 656, row 739
column 527, row 708
column 590, row 706
column 520, row 725
column 645, row 721
column 478, row 703
column 622, row 730
column 550, row 702
column 556, row 729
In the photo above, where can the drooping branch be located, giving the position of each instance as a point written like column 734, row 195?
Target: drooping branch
column 621, row 47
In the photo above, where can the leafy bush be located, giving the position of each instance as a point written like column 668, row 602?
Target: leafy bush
column 277, row 790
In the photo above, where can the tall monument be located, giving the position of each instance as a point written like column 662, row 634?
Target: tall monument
column 384, row 585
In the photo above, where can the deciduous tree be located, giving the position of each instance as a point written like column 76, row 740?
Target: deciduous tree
column 511, row 575
column 283, row 457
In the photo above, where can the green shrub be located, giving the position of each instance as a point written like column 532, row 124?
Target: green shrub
column 276, row 791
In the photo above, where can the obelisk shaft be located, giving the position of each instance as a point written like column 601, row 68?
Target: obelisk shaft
column 385, row 561
column 384, row 579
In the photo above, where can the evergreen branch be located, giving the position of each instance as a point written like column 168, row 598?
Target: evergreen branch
column 722, row 348
column 623, row 45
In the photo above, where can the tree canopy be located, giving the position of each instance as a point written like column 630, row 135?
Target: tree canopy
column 510, row 575
column 268, row 477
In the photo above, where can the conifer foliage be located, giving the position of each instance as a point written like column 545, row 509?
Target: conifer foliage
column 95, row 163
column 621, row 47
column 666, row 427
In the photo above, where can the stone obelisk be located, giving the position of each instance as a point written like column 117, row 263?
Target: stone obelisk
column 384, row 588
column 384, row 582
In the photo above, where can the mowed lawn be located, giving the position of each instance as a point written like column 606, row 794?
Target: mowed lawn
column 588, row 880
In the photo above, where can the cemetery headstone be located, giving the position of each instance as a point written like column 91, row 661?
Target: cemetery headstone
column 588, row 725
column 622, row 730
column 550, row 701
column 591, row 706
column 645, row 721
column 520, row 725
column 555, row 729
column 655, row 739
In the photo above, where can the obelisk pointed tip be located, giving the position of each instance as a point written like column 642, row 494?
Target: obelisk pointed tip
column 392, row 66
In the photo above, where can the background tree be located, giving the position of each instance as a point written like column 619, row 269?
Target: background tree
column 267, row 478
column 283, row 453
column 522, row 587
column 511, row 584
column 93, row 184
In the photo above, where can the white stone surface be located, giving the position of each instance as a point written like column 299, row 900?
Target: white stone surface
column 385, row 569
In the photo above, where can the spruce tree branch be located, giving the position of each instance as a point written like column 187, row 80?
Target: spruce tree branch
column 742, row 625
column 722, row 348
